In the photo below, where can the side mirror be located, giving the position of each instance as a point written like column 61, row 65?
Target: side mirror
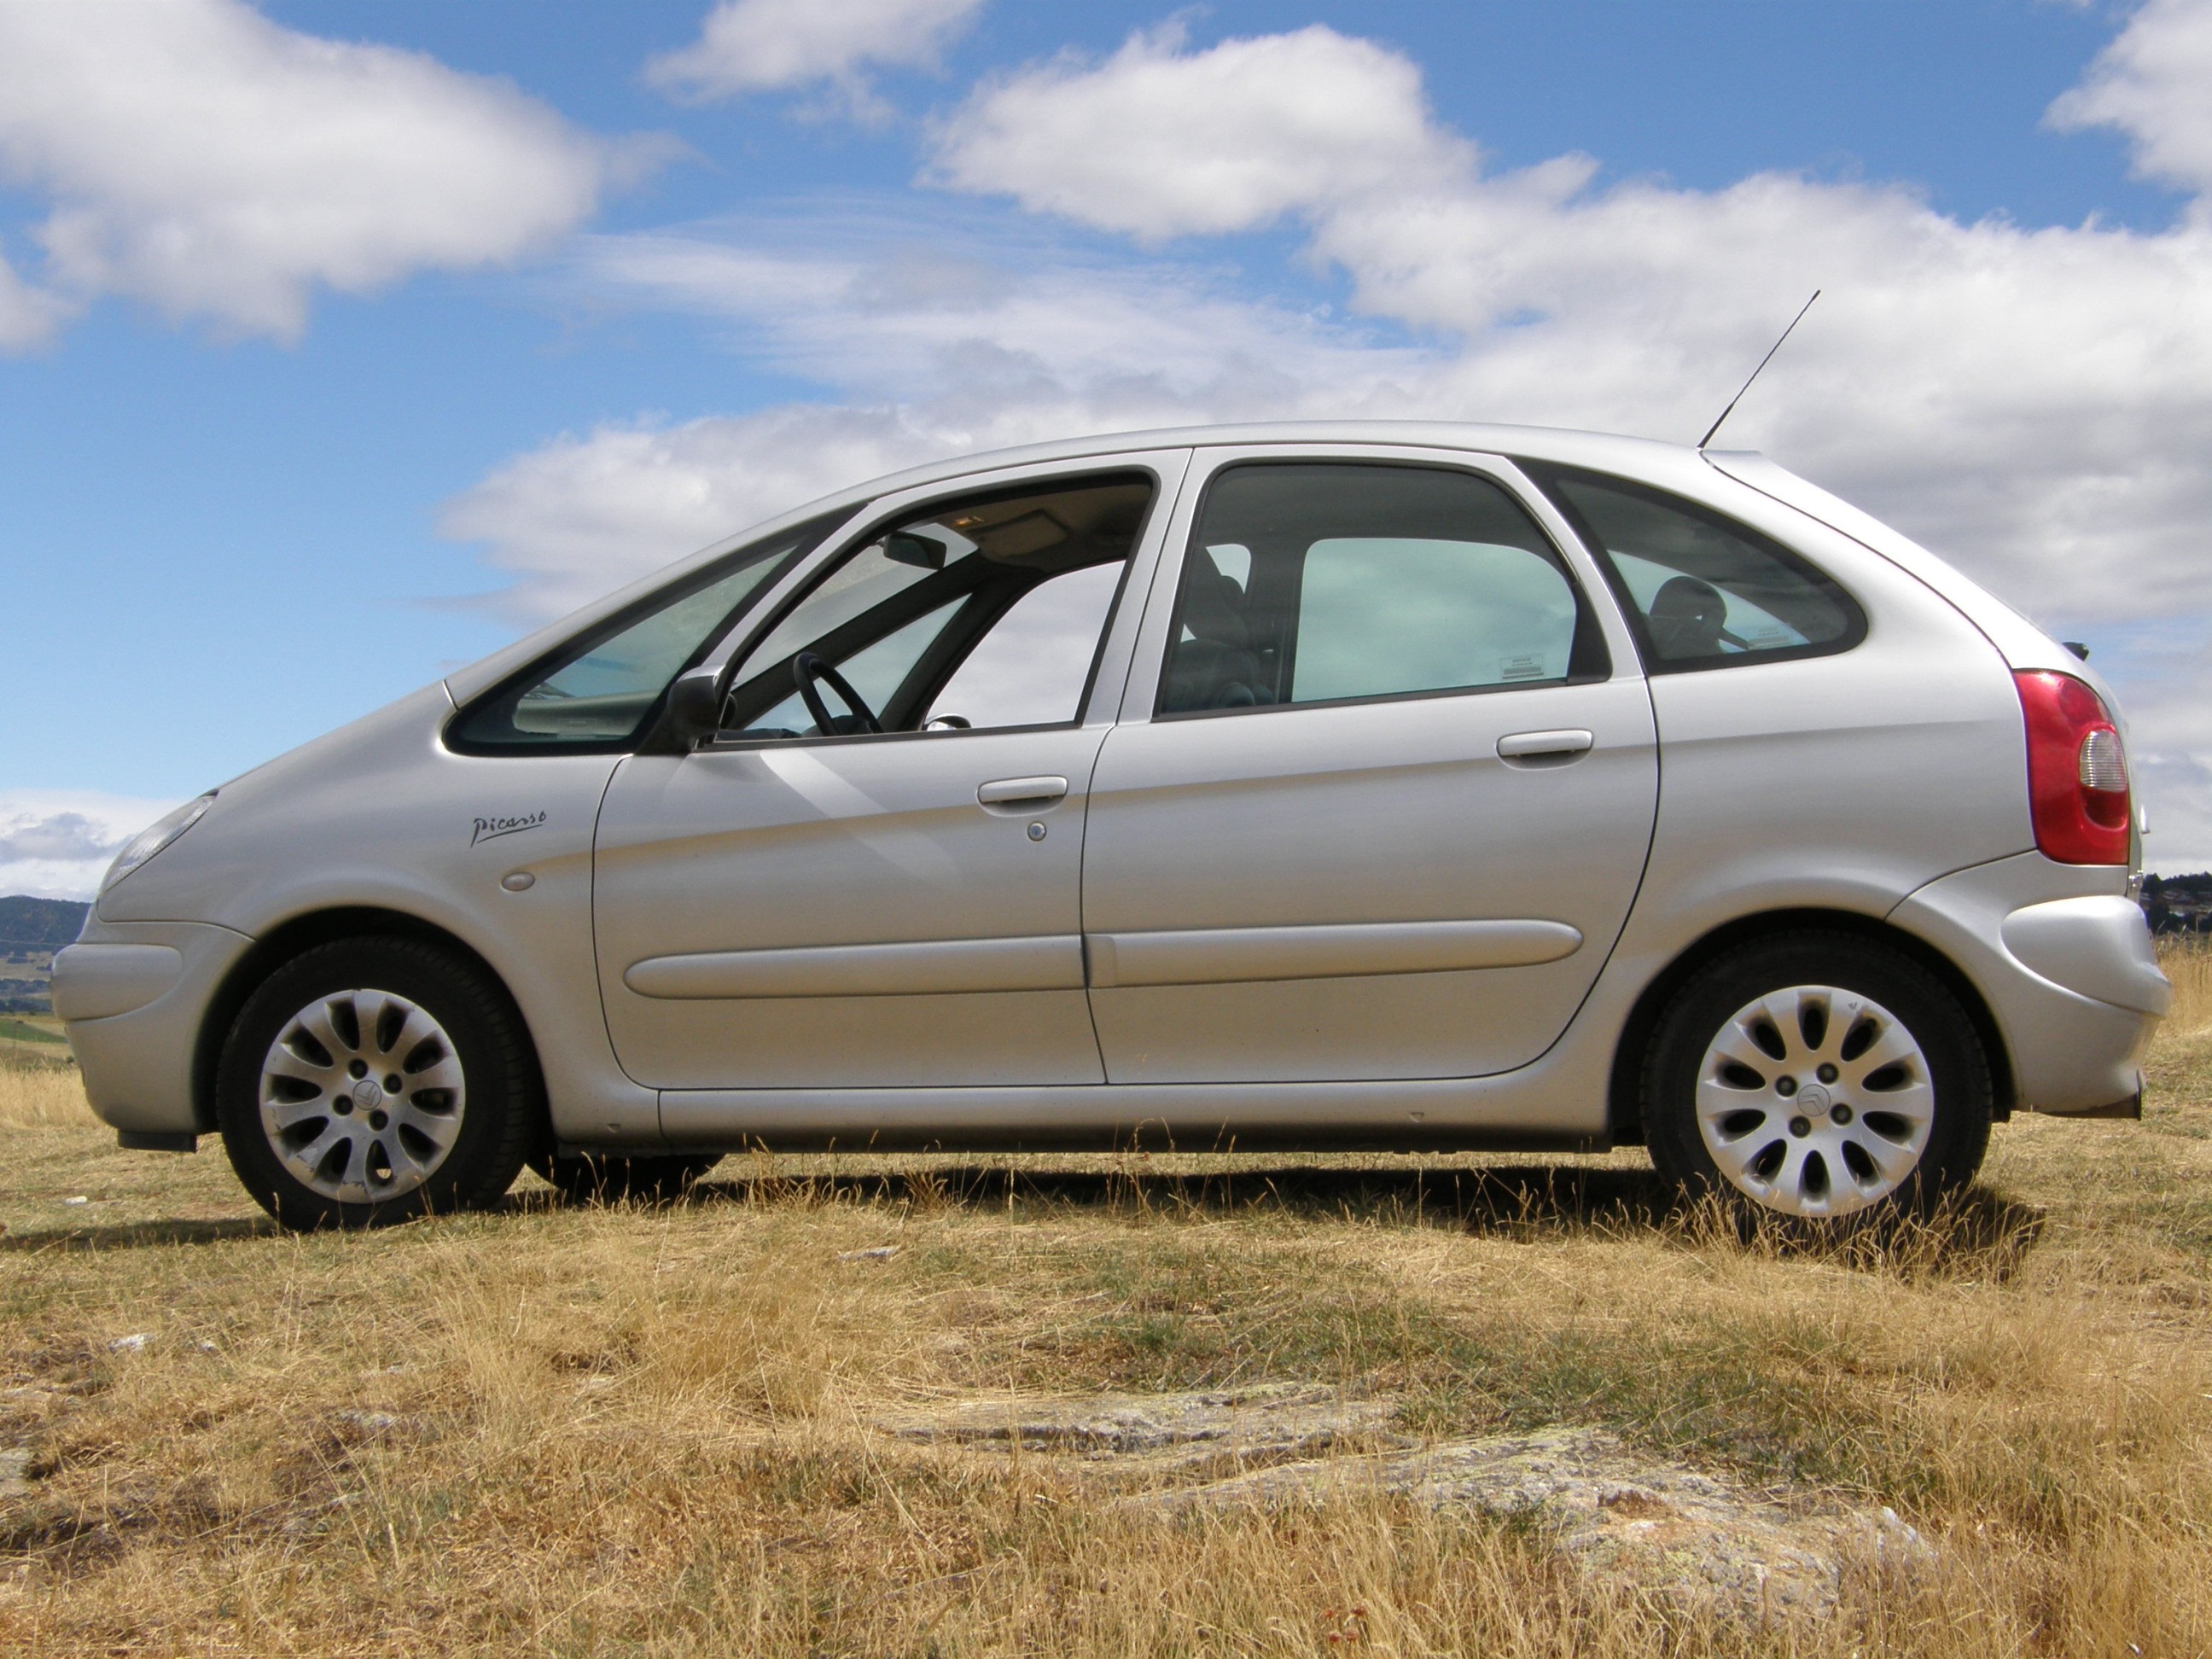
column 695, row 706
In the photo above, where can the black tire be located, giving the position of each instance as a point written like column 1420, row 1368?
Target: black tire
column 1957, row 1130
column 501, row 1113
column 598, row 1178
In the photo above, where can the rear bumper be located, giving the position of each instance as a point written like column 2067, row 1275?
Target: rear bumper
column 132, row 997
column 2063, row 959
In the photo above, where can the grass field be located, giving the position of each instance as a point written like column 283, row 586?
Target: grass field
column 656, row 1431
column 39, row 1033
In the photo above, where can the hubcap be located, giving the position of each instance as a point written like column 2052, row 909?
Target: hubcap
column 1816, row 1101
column 361, row 1095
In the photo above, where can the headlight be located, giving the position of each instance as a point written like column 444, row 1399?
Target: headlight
column 152, row 839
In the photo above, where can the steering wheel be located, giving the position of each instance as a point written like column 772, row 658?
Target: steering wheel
column 806, row 668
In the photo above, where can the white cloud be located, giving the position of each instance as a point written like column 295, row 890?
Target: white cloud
column 763, row 45
column 2034, row 403
column 1159, row 142
column 2031, row 400
column 583, row 515
column 200, row 157
column 2155, row 83
column 975, row 323
column 28, row 316
column 59, row 844
column 935, row 355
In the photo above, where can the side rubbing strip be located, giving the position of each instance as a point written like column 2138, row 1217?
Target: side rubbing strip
column 925, row 967
column 1214, row 955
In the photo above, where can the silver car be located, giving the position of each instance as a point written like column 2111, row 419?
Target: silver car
column 1352, row 786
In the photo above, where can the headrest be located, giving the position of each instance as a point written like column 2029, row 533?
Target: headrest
column 1687, row 618
column 1213, row 606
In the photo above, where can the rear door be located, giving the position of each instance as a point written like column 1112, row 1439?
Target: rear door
column 1384, row 783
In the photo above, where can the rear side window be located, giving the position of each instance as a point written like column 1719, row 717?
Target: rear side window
column 1330, row 581
column 1701, row 591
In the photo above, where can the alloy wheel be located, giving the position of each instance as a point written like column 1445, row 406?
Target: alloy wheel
column 361, row 1095
column 1815, row 1101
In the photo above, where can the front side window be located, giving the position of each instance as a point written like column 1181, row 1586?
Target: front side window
column 988, row 612
column 596, row 692
column 1327, row 581
column 1702, row 590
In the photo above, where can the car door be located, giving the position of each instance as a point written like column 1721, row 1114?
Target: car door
column 805, row 903
column 1384, row 782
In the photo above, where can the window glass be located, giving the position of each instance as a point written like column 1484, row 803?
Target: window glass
column 868, row 583
column 1703, row 591
column 1032, row 668
column 600, row 690
column 1378, row 616
column 984, row 612
column 875, row 672
column 1317, row 582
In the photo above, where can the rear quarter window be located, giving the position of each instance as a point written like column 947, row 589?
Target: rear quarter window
column 1700, row 590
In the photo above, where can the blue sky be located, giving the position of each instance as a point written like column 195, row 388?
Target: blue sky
column 256, row 481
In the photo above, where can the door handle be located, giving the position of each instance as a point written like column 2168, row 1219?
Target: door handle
column 1024, row 792
column 1543, row 746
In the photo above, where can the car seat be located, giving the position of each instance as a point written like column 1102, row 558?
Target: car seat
column 1215, row 668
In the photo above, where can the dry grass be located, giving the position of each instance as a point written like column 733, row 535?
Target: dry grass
column 2188, row 965
column 648, row 1431
column 35, row 1095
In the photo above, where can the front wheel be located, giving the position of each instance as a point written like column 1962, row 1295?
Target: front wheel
column 371, row 1080
column 1817, row 1076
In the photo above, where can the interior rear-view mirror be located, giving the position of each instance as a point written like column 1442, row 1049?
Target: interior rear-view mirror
column 923, row 552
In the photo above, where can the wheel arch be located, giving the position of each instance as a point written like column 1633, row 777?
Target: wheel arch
column 1623, row 1103
column 291, row 938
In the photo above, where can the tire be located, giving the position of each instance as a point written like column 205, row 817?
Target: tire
column 598, row 1179
column 1819, row 1076
column 371, row 1080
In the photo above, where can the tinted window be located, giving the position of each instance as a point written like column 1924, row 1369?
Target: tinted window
column 979, row 613
column 597, row 691
column 1318, row 582
column 1701, row 590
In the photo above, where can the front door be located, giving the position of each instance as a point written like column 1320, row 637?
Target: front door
column 1380, row 807
column 871, row 877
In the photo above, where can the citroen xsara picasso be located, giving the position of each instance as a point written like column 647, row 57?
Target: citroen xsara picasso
column 1329, row 787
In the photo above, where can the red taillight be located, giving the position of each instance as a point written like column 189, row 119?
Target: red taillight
column 2077, row 776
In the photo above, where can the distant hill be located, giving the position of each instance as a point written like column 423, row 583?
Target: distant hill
column 38, row 924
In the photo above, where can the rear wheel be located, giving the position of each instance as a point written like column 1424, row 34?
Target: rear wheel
column 371, row 1080
column 595, row 1178
column 1817, row 1076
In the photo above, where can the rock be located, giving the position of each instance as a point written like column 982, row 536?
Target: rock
column 879, row 1253
column 1616, row 1511
column 15, row 1471
column 1699, row 1538
column 1268, row 1419
column 131, row 1344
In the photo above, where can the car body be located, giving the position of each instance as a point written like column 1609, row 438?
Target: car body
column 1381, row 833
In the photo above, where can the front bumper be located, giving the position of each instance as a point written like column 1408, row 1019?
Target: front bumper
column 2063, row 958
column 133, row 997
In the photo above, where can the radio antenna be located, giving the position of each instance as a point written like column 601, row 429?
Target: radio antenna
column 1756, row 373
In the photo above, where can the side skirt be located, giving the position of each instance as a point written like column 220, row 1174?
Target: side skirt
column 1456, row 1114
